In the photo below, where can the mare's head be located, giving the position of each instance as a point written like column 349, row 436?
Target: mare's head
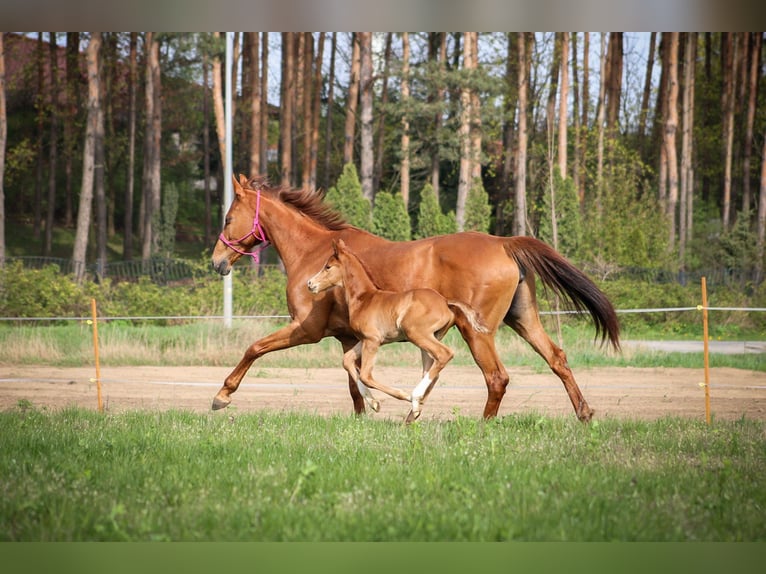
column 331, row 274
column 241, row 231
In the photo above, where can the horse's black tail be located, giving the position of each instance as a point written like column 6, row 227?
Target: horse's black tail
column 571, row 284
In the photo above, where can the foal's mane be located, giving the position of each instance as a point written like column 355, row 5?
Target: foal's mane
column 364, row 267
column 307, row 201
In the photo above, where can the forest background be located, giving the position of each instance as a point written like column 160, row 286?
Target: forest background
column 635, row 155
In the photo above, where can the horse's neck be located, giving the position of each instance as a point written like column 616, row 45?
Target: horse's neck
column 357, row 281
column 292, row 234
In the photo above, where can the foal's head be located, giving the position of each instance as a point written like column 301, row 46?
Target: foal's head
column 331, row 274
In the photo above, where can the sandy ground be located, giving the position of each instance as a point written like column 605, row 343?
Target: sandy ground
column 612, row 392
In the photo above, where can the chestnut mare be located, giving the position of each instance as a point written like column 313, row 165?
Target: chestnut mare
column 493, row 275
column 377, row 316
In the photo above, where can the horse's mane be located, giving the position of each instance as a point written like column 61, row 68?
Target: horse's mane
column 307, row 201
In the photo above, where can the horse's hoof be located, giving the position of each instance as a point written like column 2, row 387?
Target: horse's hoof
column 586, row 416
column 375, row 405
column 412, row 416
column 219, row 404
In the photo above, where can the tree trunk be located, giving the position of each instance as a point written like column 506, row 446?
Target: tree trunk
column 509, row 134
column 3, row 138
column 753, row 74
column 352, row 102
column 730, row 80
column 72, row 105
column 206, row 148
column 647, row 88
column 330, row 112
column 464, row 131
column 37, row 203
column 583, row 141
column 218, row 106
column 761, row 226
column 307, row 107
column 614, row 82
column 53, row 150
column 379, row 147
column 687, row 137
column 152, row 153
column 264, row 136
column 600, row 115
column 671, row 125
column 286, row 109
column 99, row 191
column 520, row 195
column 475, row 129
column 405, row 169
column 89, row 150
column 563, row 99
column 127, row 245
column 315, row 113
column 254, row 80
column 440, row 93
column 367, row 142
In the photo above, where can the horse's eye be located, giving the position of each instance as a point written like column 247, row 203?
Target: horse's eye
column 228, row 220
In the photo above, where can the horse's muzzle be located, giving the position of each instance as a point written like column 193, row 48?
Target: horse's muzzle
column 221, row 266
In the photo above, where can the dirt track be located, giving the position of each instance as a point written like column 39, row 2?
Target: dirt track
column 612, row 392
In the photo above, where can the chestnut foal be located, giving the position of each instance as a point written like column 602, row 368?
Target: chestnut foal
column 377, row 317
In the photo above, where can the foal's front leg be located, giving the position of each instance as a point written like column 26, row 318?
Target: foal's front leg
column 350, row 359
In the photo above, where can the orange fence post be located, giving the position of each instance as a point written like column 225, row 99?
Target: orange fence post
column 705, row 350
column 95, row 351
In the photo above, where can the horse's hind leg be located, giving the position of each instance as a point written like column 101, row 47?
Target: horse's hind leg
column 524, row 319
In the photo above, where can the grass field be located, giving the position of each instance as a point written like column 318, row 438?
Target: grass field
column 209, row 343
column 141, row 476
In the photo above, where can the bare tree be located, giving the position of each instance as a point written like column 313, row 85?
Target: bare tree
column 352, row 102
column 520, row 196
column 3, row 138
column 71, row 105
column 89, row 155
column 405, row 168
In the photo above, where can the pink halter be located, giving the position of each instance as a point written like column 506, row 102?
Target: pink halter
column 256, row 232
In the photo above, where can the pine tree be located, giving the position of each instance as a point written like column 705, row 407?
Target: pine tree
column 477, row 208
column 390, row 218
column 431, row 220
column 346, row 197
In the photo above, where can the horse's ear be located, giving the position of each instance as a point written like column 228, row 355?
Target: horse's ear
column 340, row 245
column 242, row 180
column 238, row 188
column 335, row 247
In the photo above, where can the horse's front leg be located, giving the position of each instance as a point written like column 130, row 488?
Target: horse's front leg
column 292, row 335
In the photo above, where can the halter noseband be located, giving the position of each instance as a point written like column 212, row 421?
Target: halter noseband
column 256, row 232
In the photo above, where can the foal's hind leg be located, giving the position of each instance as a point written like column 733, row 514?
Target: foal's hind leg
column 524, row 319
column 436, row 355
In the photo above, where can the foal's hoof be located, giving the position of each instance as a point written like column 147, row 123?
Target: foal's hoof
column 375, row 405
column 411, row 417
column 585, row 415
column 219, row 404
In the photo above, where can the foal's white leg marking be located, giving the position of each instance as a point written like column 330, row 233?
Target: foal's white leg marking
column 365, row 390
column 418, row 392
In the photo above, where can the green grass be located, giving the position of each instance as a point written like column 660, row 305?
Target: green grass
column 141, row 476
column 209, row 343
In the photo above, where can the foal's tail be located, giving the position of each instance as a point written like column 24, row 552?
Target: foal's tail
column 470, row 315
column 568, row 282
